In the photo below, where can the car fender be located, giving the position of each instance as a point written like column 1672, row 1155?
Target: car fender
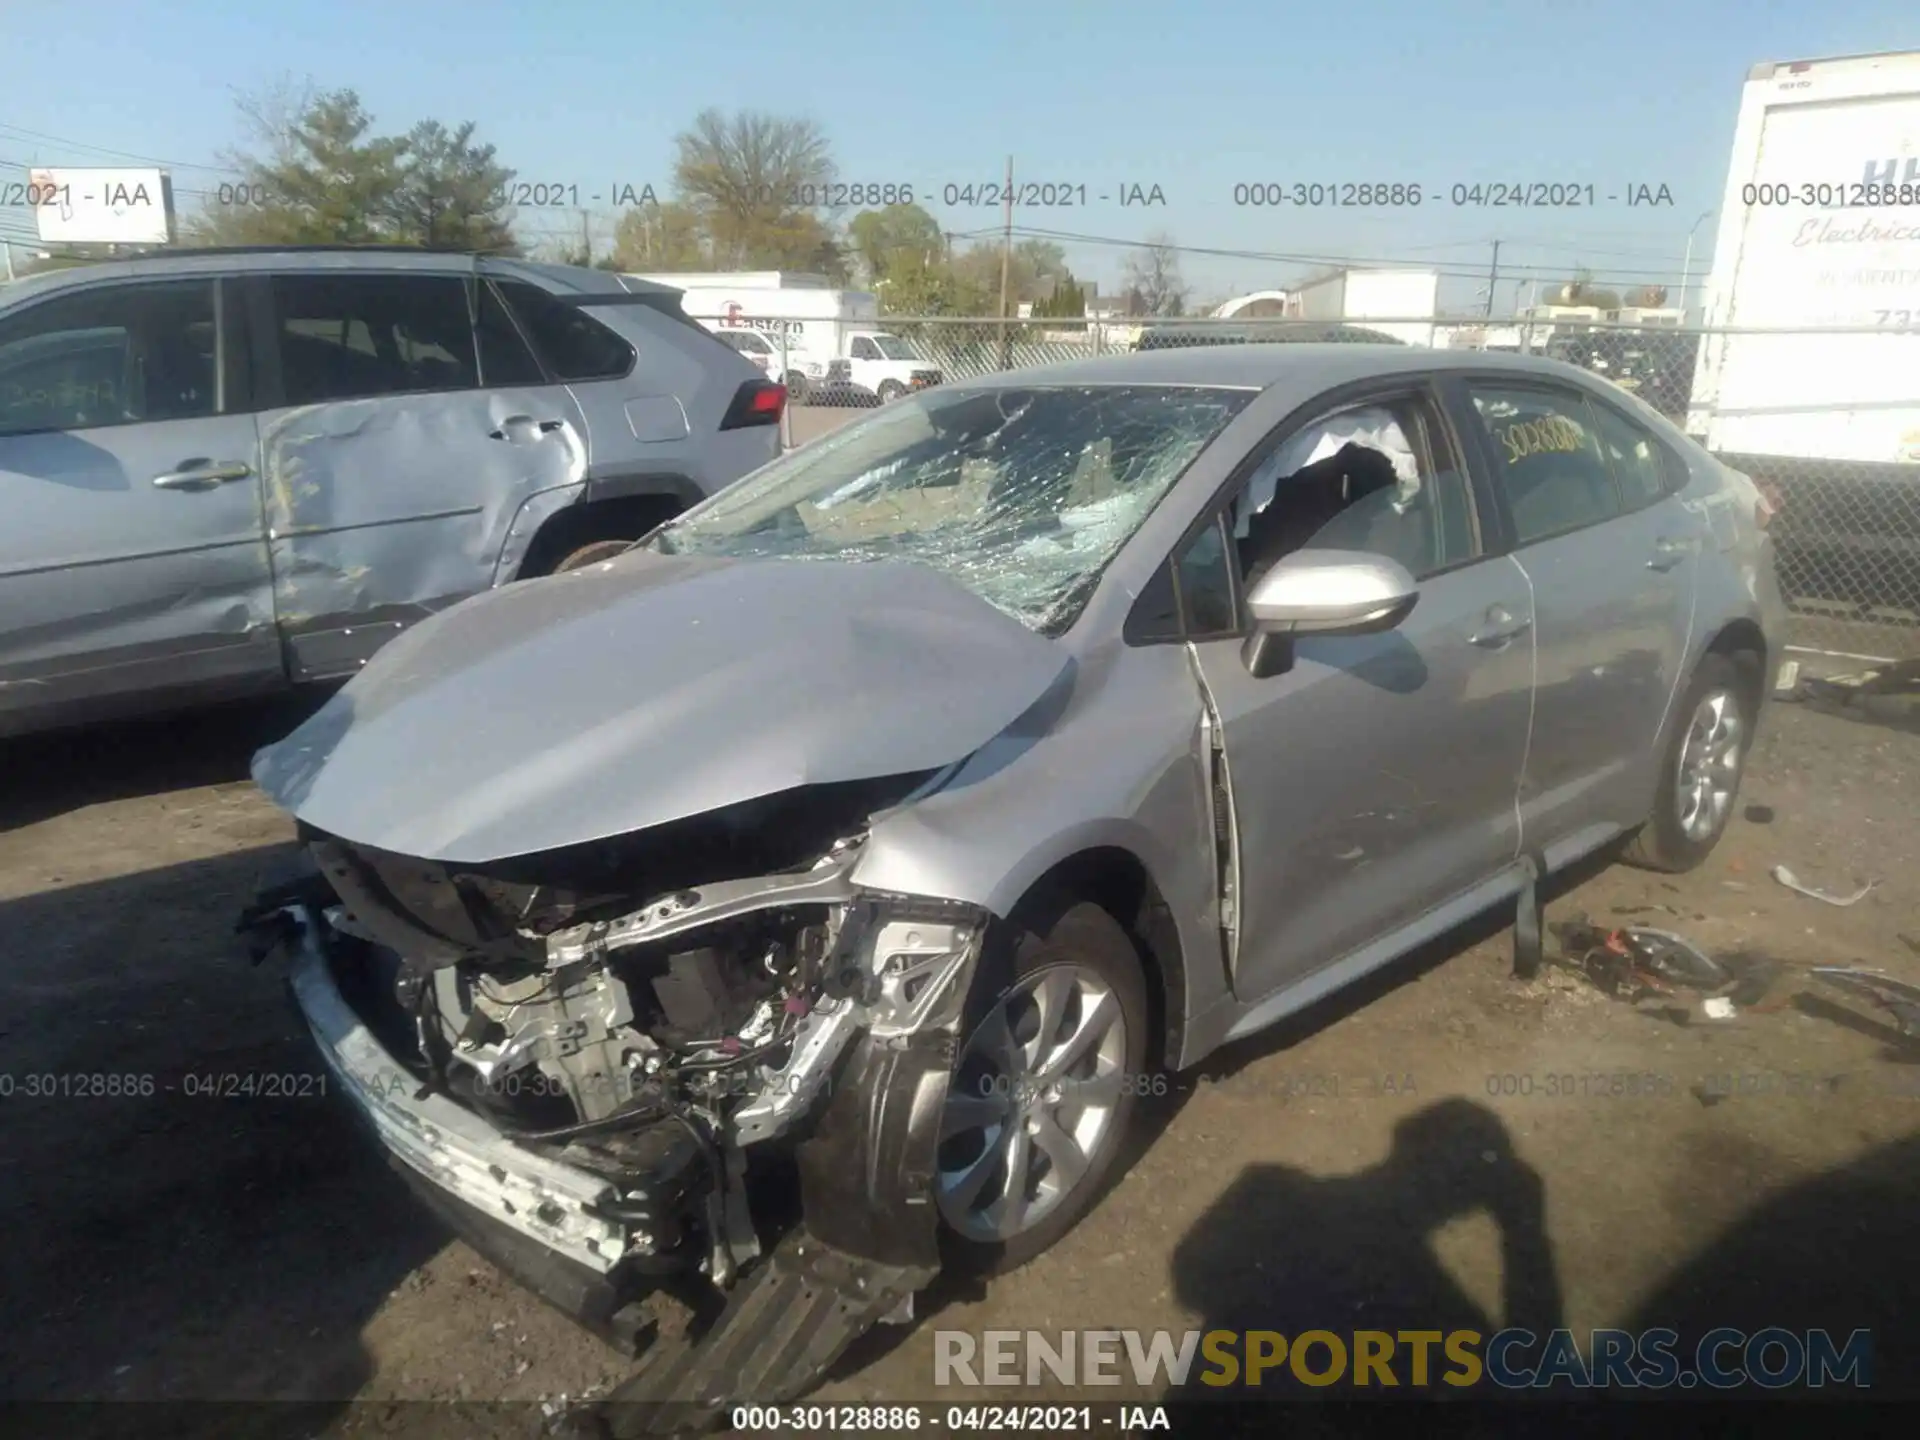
column 534, row 512
column 1029, row 800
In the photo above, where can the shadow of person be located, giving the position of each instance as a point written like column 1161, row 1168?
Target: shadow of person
column 1291, row 1252
column 1826, row 1254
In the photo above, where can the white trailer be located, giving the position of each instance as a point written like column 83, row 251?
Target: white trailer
column 1819, row 228
column 1365, row 297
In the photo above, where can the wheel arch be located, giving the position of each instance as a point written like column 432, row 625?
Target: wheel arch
column 596, row 517
column 1743, row 642
column 1120, row 883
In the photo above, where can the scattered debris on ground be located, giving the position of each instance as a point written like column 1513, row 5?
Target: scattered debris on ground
column 1898, row 998
column 1793, row 882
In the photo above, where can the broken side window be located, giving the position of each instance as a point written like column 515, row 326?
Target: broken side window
column 1378, row 478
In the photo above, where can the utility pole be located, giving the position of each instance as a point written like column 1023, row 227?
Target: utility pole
column 1686, row 265
column 1493, row 278
column 1006, row 258
column 586, row 237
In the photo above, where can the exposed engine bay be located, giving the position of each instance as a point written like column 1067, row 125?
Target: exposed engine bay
column 601, row 1008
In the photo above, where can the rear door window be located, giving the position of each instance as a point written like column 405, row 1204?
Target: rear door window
column 346, row 337
column 1547, row 459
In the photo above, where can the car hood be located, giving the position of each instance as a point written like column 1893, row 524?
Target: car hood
column 650, row 688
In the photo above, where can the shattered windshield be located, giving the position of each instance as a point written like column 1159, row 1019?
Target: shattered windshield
column 1023, row 495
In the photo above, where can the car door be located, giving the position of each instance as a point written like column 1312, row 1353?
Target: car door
column 408, row 428
column 132, row 556
column 1376, row 777
column 1611, row 554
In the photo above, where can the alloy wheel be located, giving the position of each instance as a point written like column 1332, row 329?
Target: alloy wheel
column 1032, row 1101
column 1710, row 762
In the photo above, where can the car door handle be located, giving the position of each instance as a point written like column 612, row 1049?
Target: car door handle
column 521, row 423
column 1668, row 553
column 1500, row 627
column 202, row 474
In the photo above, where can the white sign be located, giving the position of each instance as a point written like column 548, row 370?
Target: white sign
column 734, row 316
column 102, row 207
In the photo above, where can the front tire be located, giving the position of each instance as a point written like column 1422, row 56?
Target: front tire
column 1044, row 1086
column 1700, row 771
column 890, row 391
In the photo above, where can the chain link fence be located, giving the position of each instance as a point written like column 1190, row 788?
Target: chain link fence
column 1828, row 419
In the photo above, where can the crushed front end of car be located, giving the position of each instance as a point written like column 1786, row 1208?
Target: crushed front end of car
column 584, row 940
column 581, row 1059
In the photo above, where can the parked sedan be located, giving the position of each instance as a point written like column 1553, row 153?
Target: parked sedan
column 235, row 471
column 898, row 809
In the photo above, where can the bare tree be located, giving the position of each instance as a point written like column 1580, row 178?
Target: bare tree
column 761, row 184
column 1152, row 277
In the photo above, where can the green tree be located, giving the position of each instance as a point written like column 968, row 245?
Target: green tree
column 1068, row 301
column 1032, row 268
column 915, row 287
column 661, row 237
column 451, row 192
column 896, row 238
column 319, row 173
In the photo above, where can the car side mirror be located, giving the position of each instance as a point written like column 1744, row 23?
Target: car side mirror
column 1324, row 592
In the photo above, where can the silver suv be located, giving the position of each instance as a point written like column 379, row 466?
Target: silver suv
column 239, row 470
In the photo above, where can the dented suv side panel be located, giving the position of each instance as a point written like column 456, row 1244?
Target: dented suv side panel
column 232, row 472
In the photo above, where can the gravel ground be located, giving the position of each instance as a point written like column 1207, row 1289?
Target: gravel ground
column 1399, row 1156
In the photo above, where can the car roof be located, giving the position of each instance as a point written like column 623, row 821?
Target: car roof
column 385, row 259
column 1309, row 367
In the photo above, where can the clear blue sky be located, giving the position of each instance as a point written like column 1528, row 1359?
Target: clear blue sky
column 1191, row 95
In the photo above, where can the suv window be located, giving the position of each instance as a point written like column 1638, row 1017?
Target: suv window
column 504, row 356
column 574, row 344
column 1547, row 459
column 1638, row 460
column 345, row 337
column 111, row 356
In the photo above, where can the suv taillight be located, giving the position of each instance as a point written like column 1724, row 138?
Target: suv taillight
column 756, row 402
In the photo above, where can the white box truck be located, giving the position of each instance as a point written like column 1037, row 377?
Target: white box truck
column 1820, row 229
column 832, row 338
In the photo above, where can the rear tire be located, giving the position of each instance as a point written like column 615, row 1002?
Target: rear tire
column 1700, row 770
column 590, row 554
column 1065, row 987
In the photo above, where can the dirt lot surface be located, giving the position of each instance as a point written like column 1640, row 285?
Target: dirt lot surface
column 1446, row 1146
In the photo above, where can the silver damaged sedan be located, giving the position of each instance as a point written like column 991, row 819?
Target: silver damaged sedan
column 883, row 820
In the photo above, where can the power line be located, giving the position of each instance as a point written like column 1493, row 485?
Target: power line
column 70, row 144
